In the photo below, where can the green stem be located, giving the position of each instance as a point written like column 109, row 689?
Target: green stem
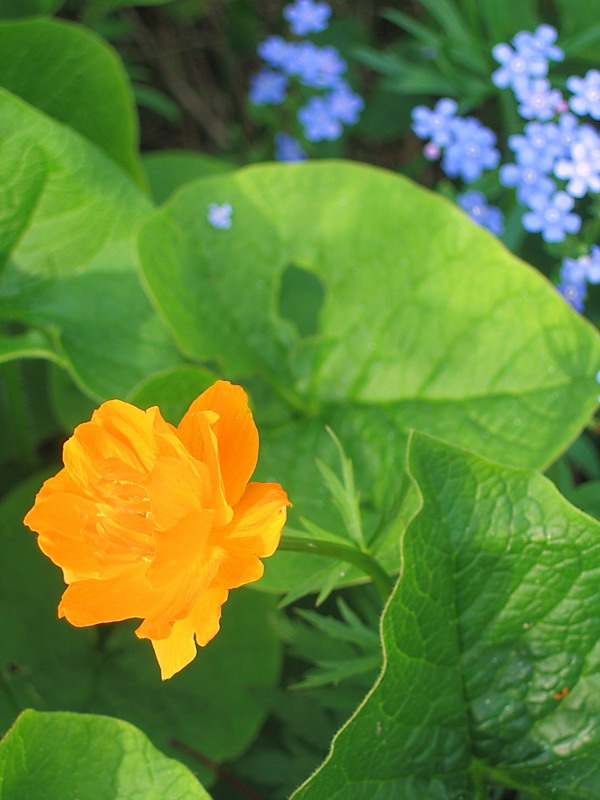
column 363, row 561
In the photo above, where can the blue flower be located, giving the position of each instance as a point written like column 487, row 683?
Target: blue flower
column 529, row 59
column 288, row 149
column 274, row 50
column 475, row 204
column 517, row 65
column 582, row 169
column 325, row 69
column 471, row 151
column 528, row 179
column 541, row 41
column 318, row 121
column 537, row 99
column 300, row 59
column 434, row 123
column 574, row 294
column 345, row 104
column 586, row 93
column 582, row 269
column 551, row 216
column 307, row 16
column 567, row 126
column 267, row 87
column 219, row 216
column 539, row 147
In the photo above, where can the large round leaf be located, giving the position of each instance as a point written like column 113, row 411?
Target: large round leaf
column 371, row 305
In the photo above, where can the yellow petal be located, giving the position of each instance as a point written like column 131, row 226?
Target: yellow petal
column 253, row 533
column 89, row 602
column 176, row 651
column 235, row 431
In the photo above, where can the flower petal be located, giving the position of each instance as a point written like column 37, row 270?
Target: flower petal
column 119, row 434
column 174, row 652
column 253, row 533
column 177, row 487
column 65, row 535
column 177, row 650
column 89, row 602
column 235, row 431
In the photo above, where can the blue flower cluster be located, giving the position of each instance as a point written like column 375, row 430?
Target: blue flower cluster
column 556, row 158
column 555, row 145
column 324, row 114
column 467, row 148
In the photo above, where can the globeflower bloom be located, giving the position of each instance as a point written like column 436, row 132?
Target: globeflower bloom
column 152, row 521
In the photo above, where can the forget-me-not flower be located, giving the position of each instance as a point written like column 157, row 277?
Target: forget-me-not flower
column 471, row 151
column 574, row 294
column 586, row 93
column 567, row 126
column 516, row 65
column 345, row 104
column 541, row 41
column 288, row 149
column 318, row 121
column 537, row 99
column 583, row 269
column 582, row 167
column 475, row 204
column 267, row 87
column 539, row 145
column 324, row 69
column 307, row 16
column 434, row 123
column 528, row 59
column 551, row 216
column 528, row 179
column 274, row 50
column 219, row 215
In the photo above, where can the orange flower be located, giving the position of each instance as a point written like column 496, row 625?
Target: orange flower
column 151, row 521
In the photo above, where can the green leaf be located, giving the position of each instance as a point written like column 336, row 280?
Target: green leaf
column 491, row 645
column 172, row 390
column 506, row 368
column 52, row 756
column 72, row 75
column 70, row 272
column 210, row 707
column 10, row 9
column 167, row 170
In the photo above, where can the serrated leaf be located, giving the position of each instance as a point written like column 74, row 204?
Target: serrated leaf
column 491, row 646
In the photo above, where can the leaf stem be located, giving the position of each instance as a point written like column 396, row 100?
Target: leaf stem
column 351, row 555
